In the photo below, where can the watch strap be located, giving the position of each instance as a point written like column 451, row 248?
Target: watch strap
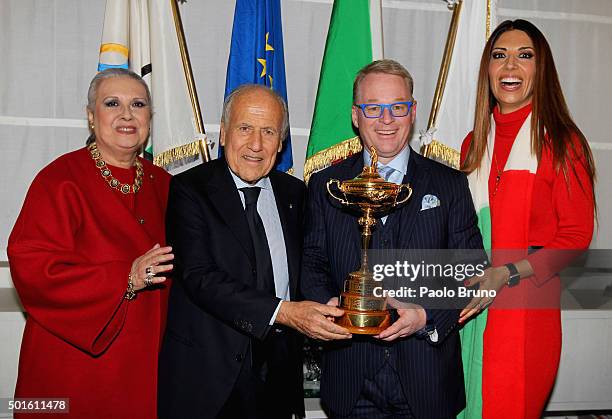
column 515, row 276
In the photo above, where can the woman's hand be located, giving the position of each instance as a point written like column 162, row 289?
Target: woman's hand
column 152, row 262
column 493, row 279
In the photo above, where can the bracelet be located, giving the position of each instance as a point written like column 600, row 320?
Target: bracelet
column 130, row 294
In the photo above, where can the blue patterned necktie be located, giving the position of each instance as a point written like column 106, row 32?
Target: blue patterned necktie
column 385, row 171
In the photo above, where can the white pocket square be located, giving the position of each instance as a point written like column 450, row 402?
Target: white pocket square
column 429, row 201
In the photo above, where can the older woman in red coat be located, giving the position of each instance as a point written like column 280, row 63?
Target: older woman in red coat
column 87, row 260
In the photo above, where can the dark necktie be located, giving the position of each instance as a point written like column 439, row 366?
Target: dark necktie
column 265, row 274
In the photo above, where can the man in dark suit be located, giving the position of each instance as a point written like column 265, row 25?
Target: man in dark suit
column 413, row 368
column 231, row 349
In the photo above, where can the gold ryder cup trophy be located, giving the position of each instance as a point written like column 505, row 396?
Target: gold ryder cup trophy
column 364, row 313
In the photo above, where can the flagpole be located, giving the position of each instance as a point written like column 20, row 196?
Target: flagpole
column 444, row 68
column 193, row 94
column 376, row 29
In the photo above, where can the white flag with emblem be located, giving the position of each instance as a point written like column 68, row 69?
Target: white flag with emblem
column 141, row 35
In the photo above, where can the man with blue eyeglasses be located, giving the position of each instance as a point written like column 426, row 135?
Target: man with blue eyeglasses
column 413, row 368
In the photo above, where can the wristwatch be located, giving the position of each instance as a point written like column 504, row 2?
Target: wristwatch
column 515, row 276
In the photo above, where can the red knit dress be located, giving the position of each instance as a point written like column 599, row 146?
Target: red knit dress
column 522, row 339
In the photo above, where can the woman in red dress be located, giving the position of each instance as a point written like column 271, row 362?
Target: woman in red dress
column 87, row 260
column 531, row 175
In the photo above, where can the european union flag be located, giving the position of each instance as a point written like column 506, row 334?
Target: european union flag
column 256, row 56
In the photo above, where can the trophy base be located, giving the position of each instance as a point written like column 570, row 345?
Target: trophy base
column 365, row 322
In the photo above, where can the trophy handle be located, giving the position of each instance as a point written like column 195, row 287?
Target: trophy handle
column 405, row 187
column 337, row 182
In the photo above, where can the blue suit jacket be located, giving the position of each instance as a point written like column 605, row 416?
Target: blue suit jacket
column 431, row 373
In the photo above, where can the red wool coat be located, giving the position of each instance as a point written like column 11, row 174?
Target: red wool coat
column 70, row 254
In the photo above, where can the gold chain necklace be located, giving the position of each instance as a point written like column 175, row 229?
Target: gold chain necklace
column 108, row 176
column 498, row 176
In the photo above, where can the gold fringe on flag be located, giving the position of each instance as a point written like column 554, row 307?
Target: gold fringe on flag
column 325, row 158
column 443, row 154
column 188, row 151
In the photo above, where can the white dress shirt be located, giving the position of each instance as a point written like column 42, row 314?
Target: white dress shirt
column 266, row 207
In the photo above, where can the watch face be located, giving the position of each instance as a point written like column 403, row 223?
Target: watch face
column 514, row 280
column 515, row 277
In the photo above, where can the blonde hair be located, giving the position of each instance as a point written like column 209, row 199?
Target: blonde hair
column 385, row 66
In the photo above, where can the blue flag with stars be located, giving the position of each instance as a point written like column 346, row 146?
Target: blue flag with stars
column 256, row 56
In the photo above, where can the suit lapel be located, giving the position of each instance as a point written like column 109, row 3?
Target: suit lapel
column 353, row 166
column 418, row 179
column 288, row 213
column 406, row 215
column 225, row 198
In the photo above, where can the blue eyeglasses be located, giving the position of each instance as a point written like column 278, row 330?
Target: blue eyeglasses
column 375, row 110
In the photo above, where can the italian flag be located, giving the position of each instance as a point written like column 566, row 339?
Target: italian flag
column 354, row 39
column 511, row 225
